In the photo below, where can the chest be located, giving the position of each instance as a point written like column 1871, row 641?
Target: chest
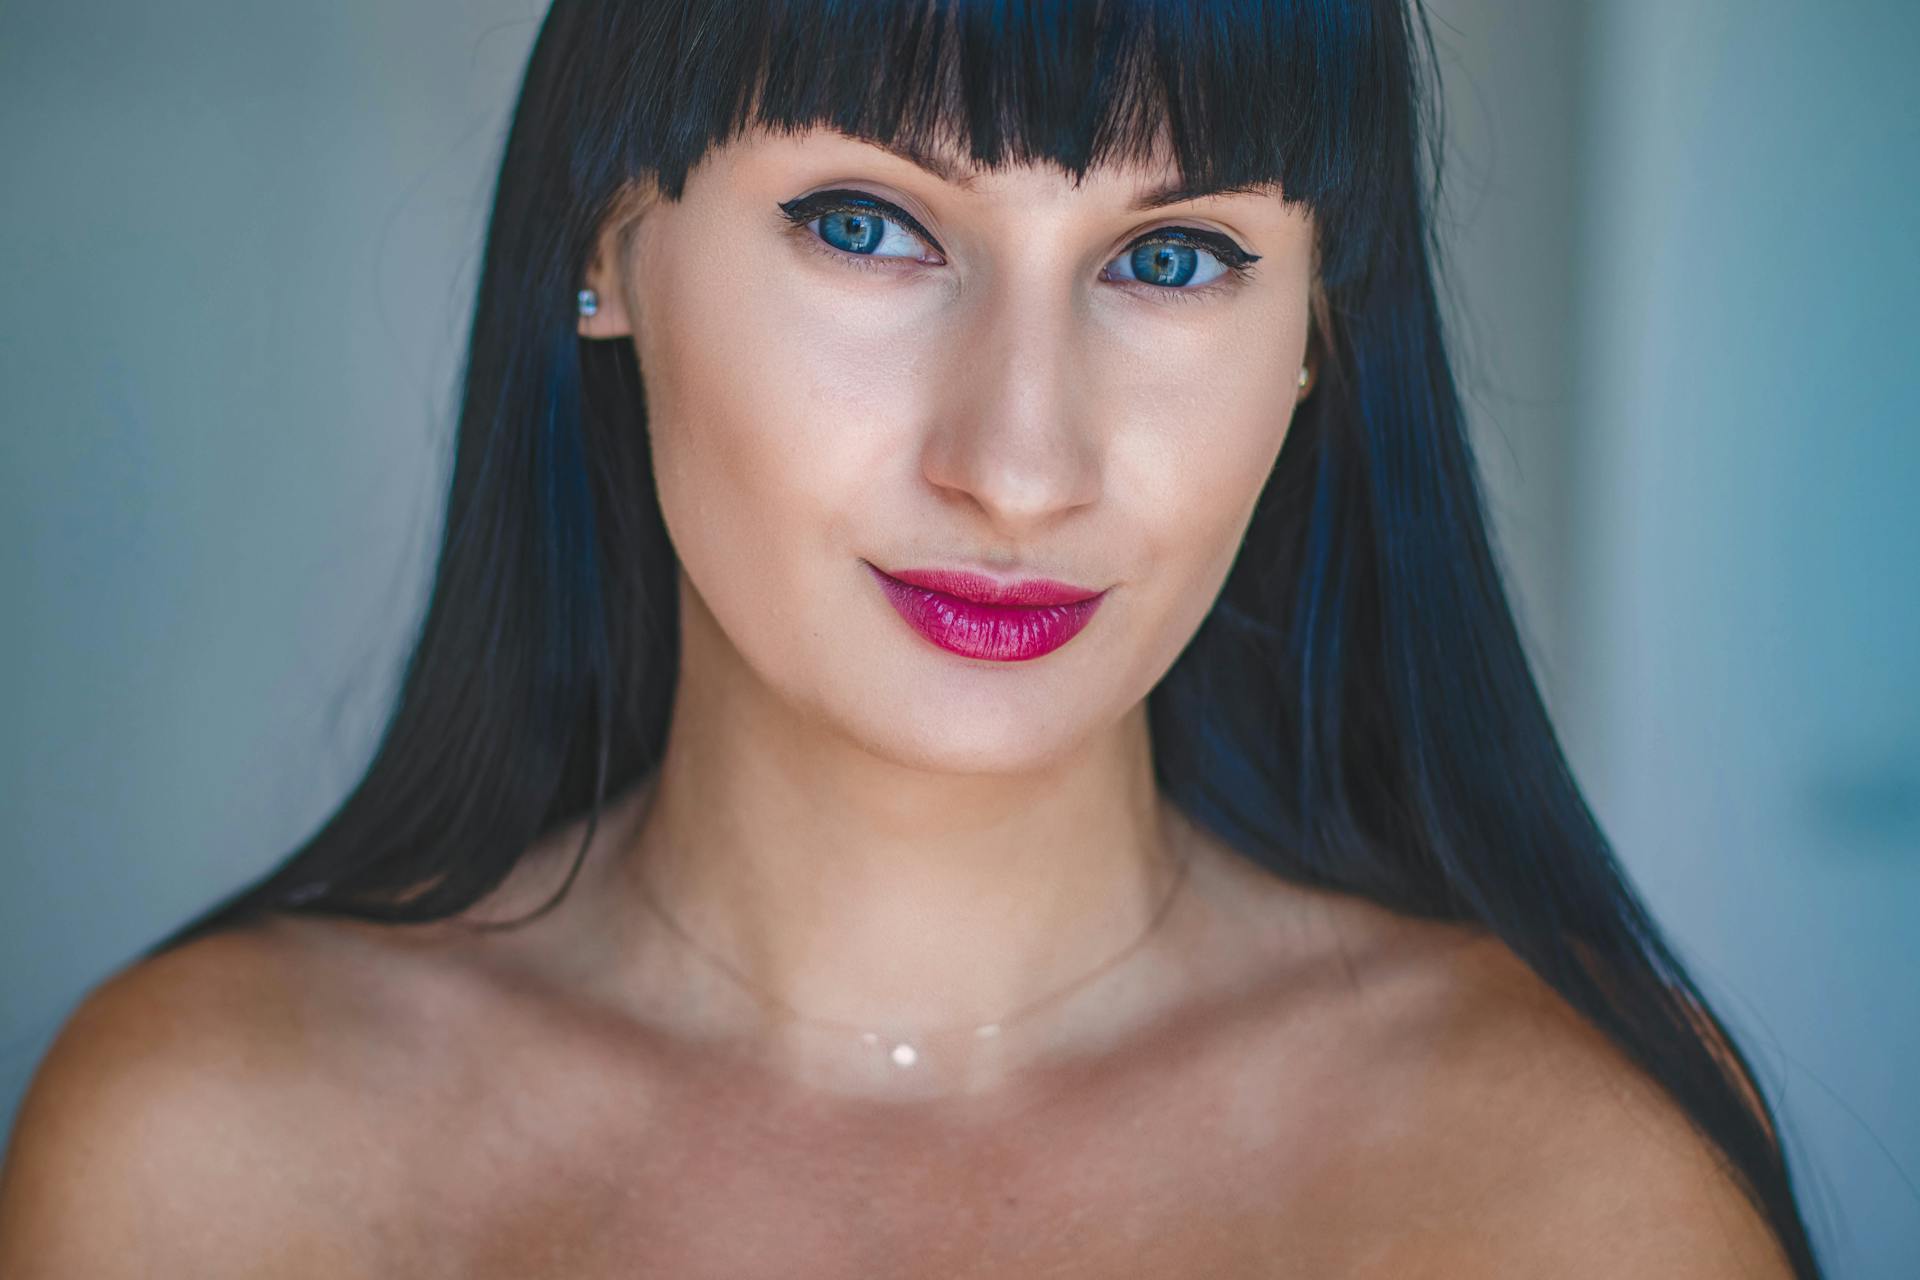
column 1184, row 1172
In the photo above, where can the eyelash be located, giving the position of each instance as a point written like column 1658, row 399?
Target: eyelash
column 1237, row 261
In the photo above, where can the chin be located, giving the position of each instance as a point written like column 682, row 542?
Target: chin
column 959, row 731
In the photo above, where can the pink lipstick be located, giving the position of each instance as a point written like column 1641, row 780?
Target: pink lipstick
column 974, row 616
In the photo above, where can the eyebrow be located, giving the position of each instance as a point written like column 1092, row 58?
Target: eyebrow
column 1175, row 192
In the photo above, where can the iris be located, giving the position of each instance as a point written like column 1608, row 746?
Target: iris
column 1168, row 264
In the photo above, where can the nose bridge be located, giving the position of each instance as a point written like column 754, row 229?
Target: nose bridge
column 1015, row 429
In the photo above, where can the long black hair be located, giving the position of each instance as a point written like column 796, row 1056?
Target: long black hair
column 1356, row 711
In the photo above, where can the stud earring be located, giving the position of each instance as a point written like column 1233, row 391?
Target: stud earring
column 589, row 303
column 1306, row 376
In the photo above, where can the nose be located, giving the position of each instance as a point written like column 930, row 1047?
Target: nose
column 1015, row 432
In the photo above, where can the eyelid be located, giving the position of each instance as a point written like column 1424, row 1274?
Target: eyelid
column 1222, row 248
column 806, row 208
column 1218, row 243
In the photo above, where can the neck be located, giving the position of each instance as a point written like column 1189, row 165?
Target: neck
column 860, row 891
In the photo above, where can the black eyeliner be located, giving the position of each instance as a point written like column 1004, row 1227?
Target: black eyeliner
column 842, row 200
column 805, row 208
column 1219, row 245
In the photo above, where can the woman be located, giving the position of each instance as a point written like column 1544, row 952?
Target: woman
column 966, row 724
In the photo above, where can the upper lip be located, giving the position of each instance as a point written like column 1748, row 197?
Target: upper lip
column 981, row 588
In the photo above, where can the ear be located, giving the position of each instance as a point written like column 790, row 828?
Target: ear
column 1318, row 325
column 607, row 273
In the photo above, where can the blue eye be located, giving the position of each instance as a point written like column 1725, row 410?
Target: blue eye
column 1165, row 261
column 1169, row 264
column 858, row 224
column 1177, row 258
column 853, row 232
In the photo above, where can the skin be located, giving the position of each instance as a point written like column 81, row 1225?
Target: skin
column 1275, row 1081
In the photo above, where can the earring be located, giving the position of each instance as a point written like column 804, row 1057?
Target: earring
column 1306, row 376
column 589, row 303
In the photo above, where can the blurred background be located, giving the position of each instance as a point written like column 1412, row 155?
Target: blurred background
column 237, row 245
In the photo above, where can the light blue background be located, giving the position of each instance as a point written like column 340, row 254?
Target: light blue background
column 237, row 243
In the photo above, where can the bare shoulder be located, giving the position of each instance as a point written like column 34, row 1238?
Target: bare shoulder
column 1523, row 1142
column 169, row 1128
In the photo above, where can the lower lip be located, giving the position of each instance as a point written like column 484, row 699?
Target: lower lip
column 995, row 632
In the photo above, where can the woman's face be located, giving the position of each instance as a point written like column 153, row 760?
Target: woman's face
column 994, row 376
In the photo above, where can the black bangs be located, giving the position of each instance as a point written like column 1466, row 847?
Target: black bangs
column 1241, row 93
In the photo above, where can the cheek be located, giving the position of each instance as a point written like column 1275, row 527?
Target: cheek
column 769, row 433
column 1195, row 452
